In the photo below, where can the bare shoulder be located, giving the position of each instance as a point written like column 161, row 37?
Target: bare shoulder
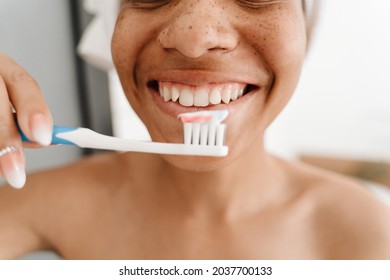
column 348, row 221
column 52, row 197
column 90, row 173
column 77, row 189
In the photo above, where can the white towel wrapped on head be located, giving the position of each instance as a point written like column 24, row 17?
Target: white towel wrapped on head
column 95, row 44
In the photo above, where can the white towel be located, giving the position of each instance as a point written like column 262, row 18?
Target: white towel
column 95, row 44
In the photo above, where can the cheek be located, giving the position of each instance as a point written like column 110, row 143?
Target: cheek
column 288, row 49
column 125, row 47
column 124, row 40
column 279, row 42
column 133, row 33
column 278, row 36
column 287, row 53
column 132, row 40
column 281, row 47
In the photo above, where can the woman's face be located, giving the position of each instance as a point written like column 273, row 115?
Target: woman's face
column 207, row 53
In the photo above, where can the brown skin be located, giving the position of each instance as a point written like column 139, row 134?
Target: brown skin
column 305, row 214
column 249, row 205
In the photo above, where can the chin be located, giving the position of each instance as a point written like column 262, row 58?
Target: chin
column 198, row 163
column 203, row 163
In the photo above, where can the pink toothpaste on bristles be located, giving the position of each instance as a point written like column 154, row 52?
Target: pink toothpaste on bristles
column 211, row 116
column 204, row 127
column 191, row 119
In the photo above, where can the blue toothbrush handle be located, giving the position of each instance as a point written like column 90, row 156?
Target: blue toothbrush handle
column 55, row 140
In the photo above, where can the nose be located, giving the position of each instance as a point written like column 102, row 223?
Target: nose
column 198, row 29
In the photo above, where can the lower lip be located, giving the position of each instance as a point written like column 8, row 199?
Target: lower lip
column 174, row 109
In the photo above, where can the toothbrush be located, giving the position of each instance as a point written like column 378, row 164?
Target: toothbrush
column 204, row 135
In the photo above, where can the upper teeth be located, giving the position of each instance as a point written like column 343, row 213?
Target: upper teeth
column 201, row 96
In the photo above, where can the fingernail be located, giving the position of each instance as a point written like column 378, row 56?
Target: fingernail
column 16, row 177
column 41, row 130
column 13, row 169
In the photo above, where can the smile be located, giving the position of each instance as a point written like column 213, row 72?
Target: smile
column 203, row 95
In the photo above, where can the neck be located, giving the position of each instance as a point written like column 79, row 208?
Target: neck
column 245, row 185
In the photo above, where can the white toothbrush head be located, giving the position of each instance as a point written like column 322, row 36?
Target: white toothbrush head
column 204, row 128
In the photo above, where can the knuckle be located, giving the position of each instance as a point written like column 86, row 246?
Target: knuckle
column 22, row 77
column 5, row 130
column 8, row 130
column 10, row 141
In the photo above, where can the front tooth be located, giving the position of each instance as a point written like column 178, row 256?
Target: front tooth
column 186, row 98
column 201, row 98
column 175, row 94
column 241, row 92
column 167, row 94
column 161, row 90
column 234, row 92
column 215, row 96
column 226, row 94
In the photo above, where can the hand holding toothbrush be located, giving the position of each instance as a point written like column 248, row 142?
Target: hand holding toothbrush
column 20, row 92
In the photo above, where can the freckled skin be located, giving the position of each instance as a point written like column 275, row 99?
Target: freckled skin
column 248, row 205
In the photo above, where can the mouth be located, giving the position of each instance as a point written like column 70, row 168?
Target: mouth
column 202, row 96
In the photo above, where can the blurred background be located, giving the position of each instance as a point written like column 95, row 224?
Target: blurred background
column 339, row 117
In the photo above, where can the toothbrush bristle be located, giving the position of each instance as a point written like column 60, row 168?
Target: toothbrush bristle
column 220, row 134
column 204, row 134
column 204, row 128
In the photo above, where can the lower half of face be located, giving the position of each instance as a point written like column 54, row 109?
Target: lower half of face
column 186, row 56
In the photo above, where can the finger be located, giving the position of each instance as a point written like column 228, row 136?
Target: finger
column 26, row 144
column 12, row 166
column 12, row 161
column 9, row 135
column 25, row 95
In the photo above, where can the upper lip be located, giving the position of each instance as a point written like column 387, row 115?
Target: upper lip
column 199, row 77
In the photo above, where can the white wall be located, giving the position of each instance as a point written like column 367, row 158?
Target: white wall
column 342, row 105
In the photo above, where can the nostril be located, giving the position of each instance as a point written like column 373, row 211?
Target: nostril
column 218, row 49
